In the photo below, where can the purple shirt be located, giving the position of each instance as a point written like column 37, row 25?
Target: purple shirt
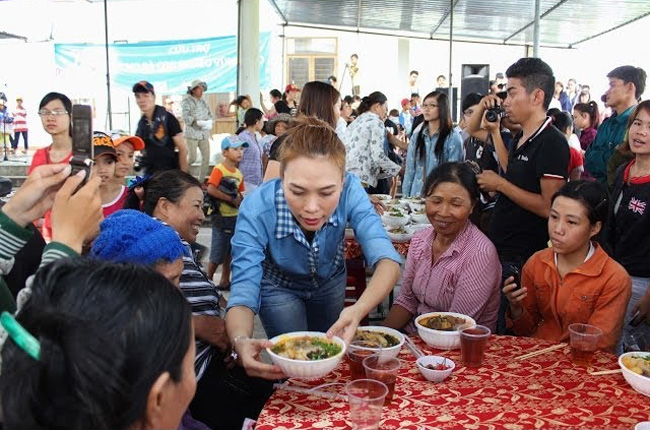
column 586, row 137
column 465, row 279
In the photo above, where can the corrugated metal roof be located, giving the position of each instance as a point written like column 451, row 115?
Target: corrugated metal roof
column 563, row 23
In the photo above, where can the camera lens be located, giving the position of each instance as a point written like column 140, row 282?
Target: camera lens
column 491, row 116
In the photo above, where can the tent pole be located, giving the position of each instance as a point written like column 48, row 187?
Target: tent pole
column 451, row 46
column 536, row 29
column 108, row 68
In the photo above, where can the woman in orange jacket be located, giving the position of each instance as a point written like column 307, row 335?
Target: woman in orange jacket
column 574, row 281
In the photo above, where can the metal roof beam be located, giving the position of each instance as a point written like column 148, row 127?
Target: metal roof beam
column 358, row 15
column 410, row 36
column 443, row 19
column 560, row 3
column 611, row 29
column 5, row 35
column 278, row 11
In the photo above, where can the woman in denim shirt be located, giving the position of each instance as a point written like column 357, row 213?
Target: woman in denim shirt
column 287, row 251
column 433, row 142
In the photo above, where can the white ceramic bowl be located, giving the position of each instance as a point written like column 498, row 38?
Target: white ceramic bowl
column 434, row 375
column 400, row 237
column 441, row 339
column 416, row 206
column 383, row 197
column 418, row 227
column 419, row 218
column 394, row 221
column 639, row 382
column 386, row 353
column 302, row 368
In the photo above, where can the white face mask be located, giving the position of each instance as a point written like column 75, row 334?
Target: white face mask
column 395, row 119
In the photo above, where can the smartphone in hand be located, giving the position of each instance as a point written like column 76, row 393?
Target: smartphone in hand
column 513, row 271
column 82, row 140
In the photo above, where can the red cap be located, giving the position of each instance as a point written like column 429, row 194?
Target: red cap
column 291, row 87
column 406, row 102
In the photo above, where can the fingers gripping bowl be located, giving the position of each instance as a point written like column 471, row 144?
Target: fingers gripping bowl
column 306, row 354
column 440, row 329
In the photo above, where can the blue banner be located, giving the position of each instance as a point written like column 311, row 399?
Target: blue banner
column 169, row 65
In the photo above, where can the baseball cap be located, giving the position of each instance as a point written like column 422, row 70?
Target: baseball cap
column 103, row 145
column 233, row 142
column 143, row 87
column 291, row 87
column 406, row 102
column 120, row 136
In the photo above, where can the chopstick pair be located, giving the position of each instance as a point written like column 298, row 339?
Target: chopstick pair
column 606, row 372
column 417, row 352
column 312, row 391
column 541, row 351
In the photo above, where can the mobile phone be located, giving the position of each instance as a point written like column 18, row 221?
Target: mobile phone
column 514, row 272
column 82, row 140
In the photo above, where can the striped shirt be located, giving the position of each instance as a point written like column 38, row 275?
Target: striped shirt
column 20, row 120
column 251, row 163
column 203, row 298
column 12, row 239
column 466, row 278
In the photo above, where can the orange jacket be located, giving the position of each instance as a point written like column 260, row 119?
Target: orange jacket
column 596, row 293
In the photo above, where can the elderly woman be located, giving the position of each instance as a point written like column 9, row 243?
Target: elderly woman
column 197, row 118
column 451, row 266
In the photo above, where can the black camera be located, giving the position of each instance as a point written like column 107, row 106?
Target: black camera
column 494, row 113
column 137, row 164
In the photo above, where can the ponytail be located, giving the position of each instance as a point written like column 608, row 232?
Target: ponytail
column 368, row 101
column 591, row 109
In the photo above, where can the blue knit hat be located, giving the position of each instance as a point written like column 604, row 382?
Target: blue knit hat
column 130, row 236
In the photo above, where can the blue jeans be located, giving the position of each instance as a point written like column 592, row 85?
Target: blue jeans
column 302, row 307
column 641, row 332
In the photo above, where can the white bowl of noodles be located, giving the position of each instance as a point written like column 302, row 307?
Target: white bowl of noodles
column 384, row 340
column 306, row 354
column 636, row 370
column 440, row 329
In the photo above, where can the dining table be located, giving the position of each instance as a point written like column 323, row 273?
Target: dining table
column 546, row 391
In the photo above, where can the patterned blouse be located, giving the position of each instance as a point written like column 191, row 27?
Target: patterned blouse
column 364, row 141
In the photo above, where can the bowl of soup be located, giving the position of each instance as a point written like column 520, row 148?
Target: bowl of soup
column 386, row 341
column 440, row 329
column 306, row 354
column 636, row 370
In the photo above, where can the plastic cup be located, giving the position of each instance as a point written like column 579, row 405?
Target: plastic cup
column 356, row 355
column 584, row 340
column 383, row 370
column 473, row 342
column 366, row 398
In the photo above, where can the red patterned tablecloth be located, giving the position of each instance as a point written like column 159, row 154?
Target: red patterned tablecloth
column 546, row 391
column 353, row 249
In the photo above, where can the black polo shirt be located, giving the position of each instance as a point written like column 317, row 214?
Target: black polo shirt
column 516, row 232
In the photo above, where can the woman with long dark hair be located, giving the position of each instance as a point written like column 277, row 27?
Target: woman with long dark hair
column 322, row 101
column 115, row 350
column 433, row 142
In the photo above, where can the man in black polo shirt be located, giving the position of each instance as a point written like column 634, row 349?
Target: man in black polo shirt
column 537, row 167
column 164, row 148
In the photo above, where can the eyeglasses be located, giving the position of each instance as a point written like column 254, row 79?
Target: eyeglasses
column 55, row 113
column 429, row 106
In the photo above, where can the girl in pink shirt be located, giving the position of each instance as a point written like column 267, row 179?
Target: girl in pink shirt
column 451, row 266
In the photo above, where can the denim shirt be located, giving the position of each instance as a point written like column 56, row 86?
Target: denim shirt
column 269, row 250
column 414, row 176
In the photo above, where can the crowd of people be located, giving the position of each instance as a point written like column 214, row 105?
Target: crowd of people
column 537, row 221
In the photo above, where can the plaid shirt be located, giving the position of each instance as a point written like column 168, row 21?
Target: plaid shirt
column 270, row 250
column 251, row 163
column 287, row 226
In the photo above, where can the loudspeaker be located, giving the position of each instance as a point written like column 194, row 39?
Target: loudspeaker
column 475, row 79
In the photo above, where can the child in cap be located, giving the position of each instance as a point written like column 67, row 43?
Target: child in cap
column 226, row 184
column 104, row 162
column 405, row 117
column 125, row 147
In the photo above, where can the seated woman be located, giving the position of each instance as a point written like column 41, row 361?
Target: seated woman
column 176, row 198
column 287, row 251
column 451, row 266
column 106, row 368
column 130, row 236
column 575, row 281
